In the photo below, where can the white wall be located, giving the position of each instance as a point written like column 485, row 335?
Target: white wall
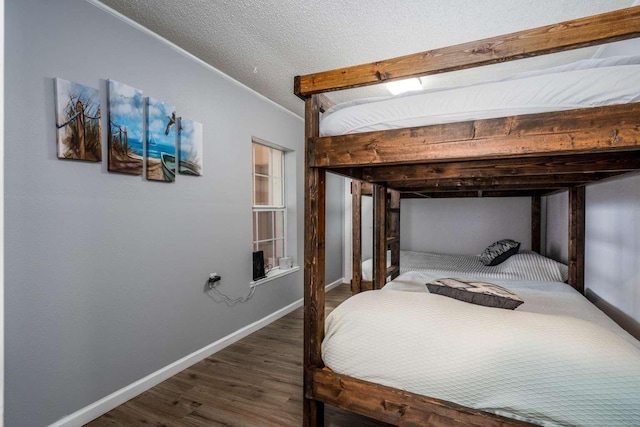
column 612, row 251
column 557, row 227
column 105, row 274
column 334, row 228
column 465, row 225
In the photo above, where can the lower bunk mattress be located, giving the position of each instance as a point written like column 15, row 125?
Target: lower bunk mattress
column 555, row 360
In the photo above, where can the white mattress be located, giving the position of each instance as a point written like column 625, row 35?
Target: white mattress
column 555, row 360
column 524, row 265
column 582, row 84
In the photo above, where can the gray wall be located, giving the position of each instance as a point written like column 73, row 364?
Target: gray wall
column 334, row 227
column 105, row 273
column 612, row 251
column 557, row 227
column 463, row 226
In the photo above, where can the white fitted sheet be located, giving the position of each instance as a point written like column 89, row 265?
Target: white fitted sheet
column 583, row 84
column 525, row 265
column 555, row 360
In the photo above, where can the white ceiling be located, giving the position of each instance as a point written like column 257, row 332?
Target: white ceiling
column 265, row 43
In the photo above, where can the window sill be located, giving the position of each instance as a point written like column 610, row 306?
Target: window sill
column 274, row 274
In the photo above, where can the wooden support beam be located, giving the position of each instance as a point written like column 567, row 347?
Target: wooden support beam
column 528, row 166
column 314, row 267
column 393, row 232
column 502, row 182
column 356, row 238
column 581, row 131
column 590, row 31
column 475, row 194
column 325, row 103
column 536, row 219
column 576, row 237
column 398, row 407
column 367, row 189
column 379, row 236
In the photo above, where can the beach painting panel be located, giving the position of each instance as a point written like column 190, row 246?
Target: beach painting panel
column 190, row 154
column 78, row 121
column 161, row 141
column 125, row 128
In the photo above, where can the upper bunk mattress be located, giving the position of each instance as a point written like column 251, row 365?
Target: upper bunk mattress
column 587, row 83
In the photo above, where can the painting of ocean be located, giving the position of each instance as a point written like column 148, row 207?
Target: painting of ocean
column 161, row 141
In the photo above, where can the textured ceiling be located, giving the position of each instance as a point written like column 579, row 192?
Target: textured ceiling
column 265, row 43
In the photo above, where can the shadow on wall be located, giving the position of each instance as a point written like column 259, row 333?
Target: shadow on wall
column 621, row 318
column 555, row 252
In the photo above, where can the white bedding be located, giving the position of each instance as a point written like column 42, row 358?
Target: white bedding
column 524, row 265
column 583, row 84
column 556, row 360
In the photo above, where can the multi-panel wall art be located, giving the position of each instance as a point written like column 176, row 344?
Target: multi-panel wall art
column 141, row 136
column 78, row 121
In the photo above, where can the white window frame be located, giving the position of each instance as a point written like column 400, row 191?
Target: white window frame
column 269, row 208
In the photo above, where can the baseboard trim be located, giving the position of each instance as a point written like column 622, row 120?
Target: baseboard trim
column 117, row 398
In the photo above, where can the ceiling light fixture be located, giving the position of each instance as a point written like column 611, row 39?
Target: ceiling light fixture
column 401, row 86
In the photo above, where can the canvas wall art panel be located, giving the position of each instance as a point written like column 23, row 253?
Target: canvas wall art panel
column 78, row 121
column 125, row 128
column 190, row 147
column 161, row 141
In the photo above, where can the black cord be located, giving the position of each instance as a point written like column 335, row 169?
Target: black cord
column 230, row 302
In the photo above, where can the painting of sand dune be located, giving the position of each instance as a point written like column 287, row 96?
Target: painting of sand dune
column 78, row 121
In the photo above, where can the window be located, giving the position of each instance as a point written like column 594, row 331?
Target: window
column 269, row 213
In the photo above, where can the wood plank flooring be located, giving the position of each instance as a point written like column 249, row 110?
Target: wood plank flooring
column 255, row 382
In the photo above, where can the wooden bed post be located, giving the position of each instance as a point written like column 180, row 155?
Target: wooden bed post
column 379, row 236
column 535, row 223
column 314, row 260
column 576, row 237
column 356, row 238
column 393, row 233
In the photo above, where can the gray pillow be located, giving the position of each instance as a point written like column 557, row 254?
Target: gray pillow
column 499, row 251
column 480, row 293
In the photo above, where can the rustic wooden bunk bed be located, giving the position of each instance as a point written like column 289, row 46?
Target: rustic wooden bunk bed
column 524, row 155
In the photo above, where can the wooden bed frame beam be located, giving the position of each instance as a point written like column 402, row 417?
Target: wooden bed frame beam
column 398, row 407
column 580, row 131
column 356, row 242
column 547, row 165
column 576, row 237
column 590, row 31
column 379, row 236
column 509, row 182
column 314, row 265
column 536, row 221
column 476, row 194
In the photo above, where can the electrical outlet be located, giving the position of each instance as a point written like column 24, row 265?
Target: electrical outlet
column 214, row 278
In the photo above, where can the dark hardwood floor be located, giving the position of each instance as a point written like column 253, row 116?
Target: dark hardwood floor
column 255, row 382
